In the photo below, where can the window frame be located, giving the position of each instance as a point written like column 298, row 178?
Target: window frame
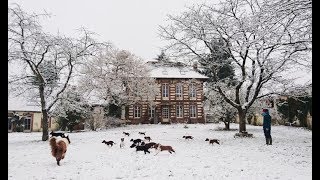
column 179, row 110
column 179, row 90
column 191, row 113
column 136, row 111
column 192, row 90
column 165, row 90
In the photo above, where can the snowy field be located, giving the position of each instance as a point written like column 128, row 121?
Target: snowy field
column 290, row 156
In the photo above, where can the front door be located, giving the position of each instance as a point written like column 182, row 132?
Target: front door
column 165, row 114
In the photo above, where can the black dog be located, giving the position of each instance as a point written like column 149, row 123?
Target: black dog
column 142, row 133
column 57, row 134
column 211, row 141
column 187, row 137
column 150, row 145
column 127, row 134
column 108, row 142
column 141, row 148
column 136, row 141
column 147, row 138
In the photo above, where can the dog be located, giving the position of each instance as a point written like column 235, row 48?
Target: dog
column 136, row 141
column 147, row 138
column 211, row 141
column 108, row 142
column 150, row 145
column 56, row 134
column 59, row 147
column 141, row 148
column 187, row 137
column 142, row 133
column 122, row 143
column 126, row 134
column 164, row 148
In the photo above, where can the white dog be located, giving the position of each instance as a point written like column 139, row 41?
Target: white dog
column 122, row 143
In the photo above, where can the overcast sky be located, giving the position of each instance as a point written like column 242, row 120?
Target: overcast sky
column 128, row 24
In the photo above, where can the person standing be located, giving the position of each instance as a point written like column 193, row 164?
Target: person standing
column 267, row 126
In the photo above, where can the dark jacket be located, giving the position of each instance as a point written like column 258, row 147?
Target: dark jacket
column 266, row 120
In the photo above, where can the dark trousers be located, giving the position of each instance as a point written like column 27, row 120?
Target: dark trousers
column 267, row 134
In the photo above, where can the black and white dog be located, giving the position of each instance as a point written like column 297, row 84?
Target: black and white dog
column 57, row 134
column 136, row 141
column 141, row 148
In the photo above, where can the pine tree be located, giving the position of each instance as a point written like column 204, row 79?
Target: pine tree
column 217, row 65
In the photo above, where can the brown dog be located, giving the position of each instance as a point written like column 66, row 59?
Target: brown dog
column 164, row 148
column 59, row 147
column 211, row 141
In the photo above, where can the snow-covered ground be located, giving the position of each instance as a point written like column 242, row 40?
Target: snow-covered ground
column 290, row 156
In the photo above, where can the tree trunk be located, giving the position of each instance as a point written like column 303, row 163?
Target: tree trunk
column 227, row 125
column 242, row 120
column 45, row 134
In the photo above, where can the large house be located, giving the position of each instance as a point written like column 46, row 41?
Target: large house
column 180, row 99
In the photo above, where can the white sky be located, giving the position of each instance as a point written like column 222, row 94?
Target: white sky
column 234, row 159
column 128, row 24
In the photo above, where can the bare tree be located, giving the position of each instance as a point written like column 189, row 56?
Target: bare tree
column 119, row 77
column 262, row 46
column 47, row 61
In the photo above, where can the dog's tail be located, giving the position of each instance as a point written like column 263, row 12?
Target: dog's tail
column 53, row 145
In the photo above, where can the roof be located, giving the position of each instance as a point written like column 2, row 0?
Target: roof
column 22, row 104
column 181, row 72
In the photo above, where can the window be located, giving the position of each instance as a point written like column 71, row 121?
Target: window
column 27, row 123
column 165, row 112
column 192, row 90
column 192, row 111
column 136, row 111
column 151, row 111
column 179, row 90
column 165, row 90
column 179, row 110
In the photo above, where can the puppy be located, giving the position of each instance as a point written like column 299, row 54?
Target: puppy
column 187, row 137
column 57, row 134
column 126, row 134
column 108, row 142
column 147, row 138
column 122, row 143
column 142, row 133
column 211, row 141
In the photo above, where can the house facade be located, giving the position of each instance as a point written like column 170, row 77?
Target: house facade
column 26, row 117
column 180, row 99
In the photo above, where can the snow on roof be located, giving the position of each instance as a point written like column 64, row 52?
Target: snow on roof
column 22, row 104
column 175, row 72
